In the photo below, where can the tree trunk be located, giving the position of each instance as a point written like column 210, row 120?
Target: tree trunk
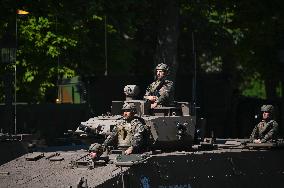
column 168, row 32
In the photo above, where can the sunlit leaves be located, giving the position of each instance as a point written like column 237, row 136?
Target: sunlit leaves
column 29, row 75
column 96, row 17
column 37, row 57
column 253, row 86
column 37, row 31
column 210, row 64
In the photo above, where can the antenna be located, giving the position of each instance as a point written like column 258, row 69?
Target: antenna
column 58, row 61
column 193, row 109
column 59, row 95
column 15, row 78
column 106, row 65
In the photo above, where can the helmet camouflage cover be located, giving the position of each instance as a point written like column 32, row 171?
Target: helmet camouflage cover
column 95, row 147
column 267, row 108
column 162, row 66
column 129, row 107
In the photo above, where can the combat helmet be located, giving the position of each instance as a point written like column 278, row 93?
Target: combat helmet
column 129, row 107
column 96, row 147
column 131, row 91
column 162, row 66
column 267, row 108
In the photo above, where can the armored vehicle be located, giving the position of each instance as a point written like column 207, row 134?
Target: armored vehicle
column 174, row 160
column 225, row 163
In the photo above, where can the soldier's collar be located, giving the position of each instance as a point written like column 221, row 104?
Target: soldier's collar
column 129, row 119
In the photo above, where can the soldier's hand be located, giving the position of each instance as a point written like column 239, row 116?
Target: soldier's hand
column 154, row 105
column 257, row 141
column 128, row 151
column 151, row 98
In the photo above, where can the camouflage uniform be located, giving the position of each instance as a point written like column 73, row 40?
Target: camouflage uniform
column 266, row 130
column 162, row 89
column 129, row 133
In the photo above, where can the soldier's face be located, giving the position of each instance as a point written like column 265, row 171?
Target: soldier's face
column 127, row 114
column 265, row 115
column 160, row 74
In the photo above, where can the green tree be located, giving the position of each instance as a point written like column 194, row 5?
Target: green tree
column 67, row 38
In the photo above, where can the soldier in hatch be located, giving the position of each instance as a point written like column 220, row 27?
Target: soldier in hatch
column 266, row 130
column 160, row 92
column 130, row 135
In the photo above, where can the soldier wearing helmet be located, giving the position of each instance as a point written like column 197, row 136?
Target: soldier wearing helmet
column 160, row 92
column 130, row 134
column 266, row 130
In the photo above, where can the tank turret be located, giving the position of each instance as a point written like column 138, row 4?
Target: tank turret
column 170, row 127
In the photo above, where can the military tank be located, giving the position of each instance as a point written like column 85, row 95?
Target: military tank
column 174, row 160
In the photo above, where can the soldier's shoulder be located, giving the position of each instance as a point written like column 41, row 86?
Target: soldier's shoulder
column 169, row 82
column 140, row 125
column 137, row 120
column 121, row 124
column 150, row 86
column 153, row 83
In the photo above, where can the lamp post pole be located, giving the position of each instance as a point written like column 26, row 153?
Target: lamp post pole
column 18, row 12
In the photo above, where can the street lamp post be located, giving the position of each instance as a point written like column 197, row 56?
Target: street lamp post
column 8, row 50
column 20, row 13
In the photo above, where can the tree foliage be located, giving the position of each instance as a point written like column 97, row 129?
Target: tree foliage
column 66, row 38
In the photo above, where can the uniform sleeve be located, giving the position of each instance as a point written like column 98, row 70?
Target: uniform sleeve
column 137, row 140
column 272, row 133
column 148, row 91
column 165, row 92
column 254, row 133
column 111, row 137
